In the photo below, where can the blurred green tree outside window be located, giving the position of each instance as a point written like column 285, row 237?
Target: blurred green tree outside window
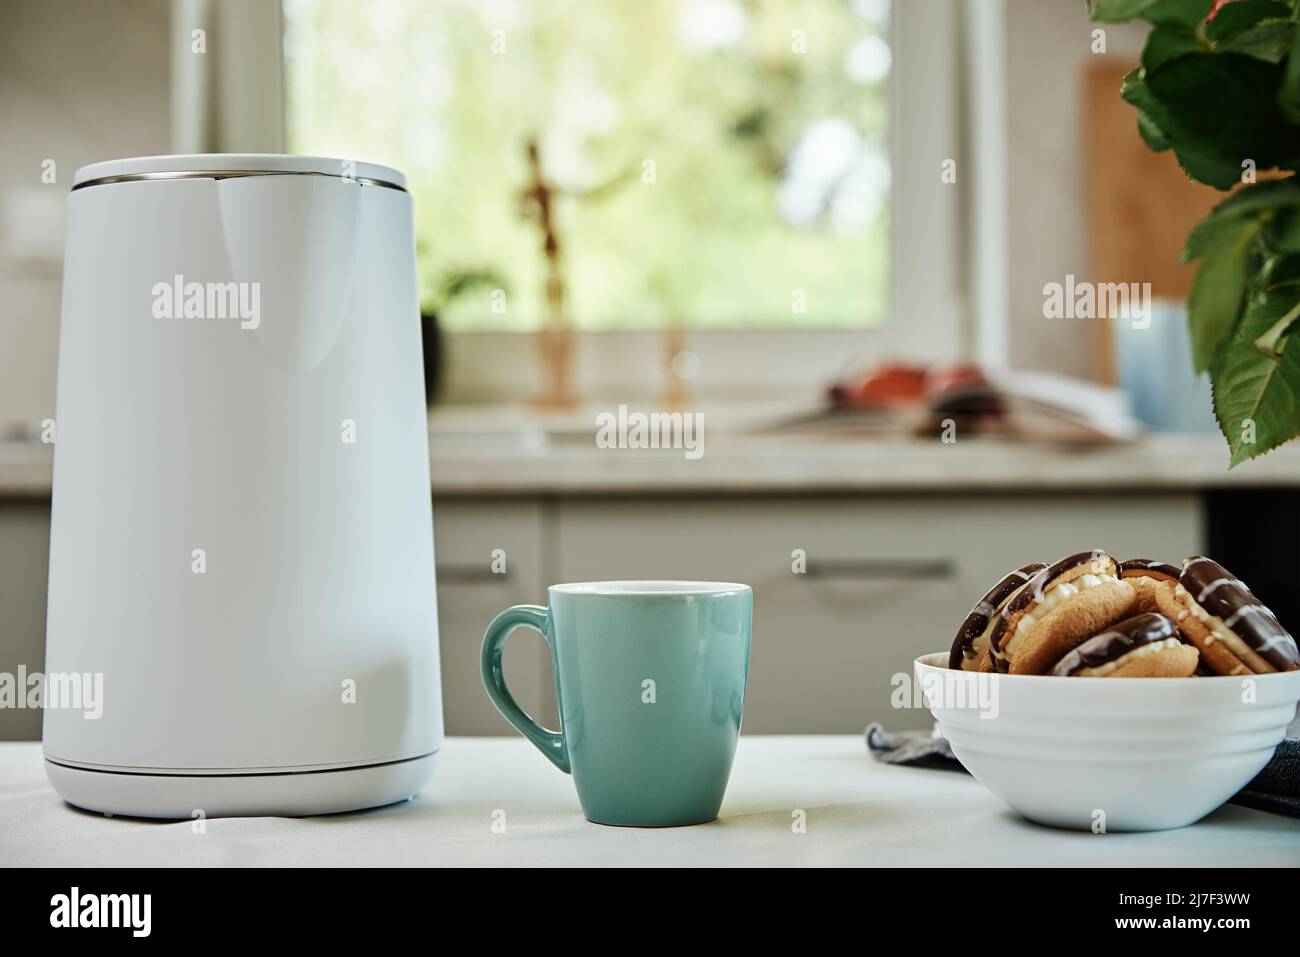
column 714, row 164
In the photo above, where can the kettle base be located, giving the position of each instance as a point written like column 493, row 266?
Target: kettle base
column 274, row 794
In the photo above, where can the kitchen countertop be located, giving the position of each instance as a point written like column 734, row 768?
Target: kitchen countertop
column 858, row 812
column 541, row 463
column 770, row 464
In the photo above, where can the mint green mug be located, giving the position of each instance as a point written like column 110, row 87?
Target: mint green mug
column 650, row 678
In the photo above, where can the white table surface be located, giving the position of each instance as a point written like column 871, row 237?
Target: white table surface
column 858, row 812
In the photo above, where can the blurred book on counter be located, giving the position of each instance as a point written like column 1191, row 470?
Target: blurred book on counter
column 898, row 399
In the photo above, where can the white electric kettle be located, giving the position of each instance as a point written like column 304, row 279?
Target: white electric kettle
column 242, row 540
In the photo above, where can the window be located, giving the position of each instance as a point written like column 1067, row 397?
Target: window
column 705, row 164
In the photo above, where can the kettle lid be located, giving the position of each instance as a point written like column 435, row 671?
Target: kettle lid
column 224, row 165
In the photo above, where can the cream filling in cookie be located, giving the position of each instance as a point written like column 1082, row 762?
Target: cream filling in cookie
column 987, row 636
column 1141, row 651
column 1051, row 598
column 1221, row 632
column 980, row 644
column 978, row 647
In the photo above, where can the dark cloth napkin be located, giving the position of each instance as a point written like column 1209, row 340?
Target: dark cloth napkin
column 1276, row 788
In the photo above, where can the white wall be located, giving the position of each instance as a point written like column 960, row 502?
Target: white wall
column 80, row 80
column 1048, row 44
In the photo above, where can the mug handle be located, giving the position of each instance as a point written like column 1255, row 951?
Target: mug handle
column 550, row 743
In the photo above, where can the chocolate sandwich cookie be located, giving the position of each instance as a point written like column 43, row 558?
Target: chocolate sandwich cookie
column 1144, row 574
column 1149, row 568
column 1058, row 609
column 1144, row 646
column 970, row 649
column 1216, row 612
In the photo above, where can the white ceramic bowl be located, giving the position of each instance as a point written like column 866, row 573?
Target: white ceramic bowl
column 1129, row 754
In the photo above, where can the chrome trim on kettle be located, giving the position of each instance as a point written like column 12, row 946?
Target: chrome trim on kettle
column 230, row 174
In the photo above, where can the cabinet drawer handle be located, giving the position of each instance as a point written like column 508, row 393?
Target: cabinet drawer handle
column 470, row 575
column 882, row 568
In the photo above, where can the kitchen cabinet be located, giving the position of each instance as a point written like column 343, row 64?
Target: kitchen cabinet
column 881, row 581
column 848, row 588
column 24, row 573
column 489, row 556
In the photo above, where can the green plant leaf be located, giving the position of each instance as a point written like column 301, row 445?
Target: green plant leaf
column 1151, row 134
column 1257, row 395
column 1217, row 109
column 1283, row 232
column 1187, row 13
column 1268, row 41
column 1152, row 114
column 1117, row 11
column 1288, row 97
column 1165, row 43
column 1241, row 15
column 1270, row 196
column 1274, row 339
column 1280, row 269
column 1219, row 284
